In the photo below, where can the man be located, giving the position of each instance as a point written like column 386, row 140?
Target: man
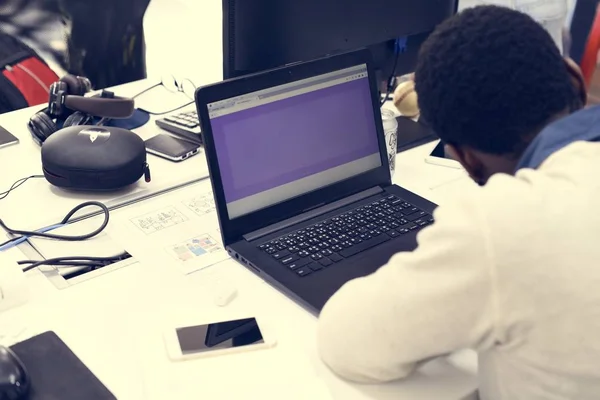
column 513, row 271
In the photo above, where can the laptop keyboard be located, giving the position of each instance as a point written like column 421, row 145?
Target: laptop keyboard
column 323, row 244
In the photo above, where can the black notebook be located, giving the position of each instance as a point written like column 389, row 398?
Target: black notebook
column 56, row 372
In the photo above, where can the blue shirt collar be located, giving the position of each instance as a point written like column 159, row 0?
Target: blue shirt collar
column 582, row 125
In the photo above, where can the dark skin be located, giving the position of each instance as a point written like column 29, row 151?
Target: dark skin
column 481, row 166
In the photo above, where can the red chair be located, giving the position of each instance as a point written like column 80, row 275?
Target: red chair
column 589, row 61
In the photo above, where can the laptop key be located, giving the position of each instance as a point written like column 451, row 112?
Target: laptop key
column 271, row 250
column 392, row 233
column 415, row 216
column 326, row 262
column 404, row 231
column 365, row 236
column 313, row 249
column 293, row 249
column 315, row 266
column 300, row 263
column 337, row 248
column 335, row 257
column 365, row 245
column 280, row 254
column 303, row 271
column 316, row 256
column 327, row 252
column 303, row 253
column 289, row 259
column 410, row 210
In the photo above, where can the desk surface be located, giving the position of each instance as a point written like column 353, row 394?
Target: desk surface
column 114, row 322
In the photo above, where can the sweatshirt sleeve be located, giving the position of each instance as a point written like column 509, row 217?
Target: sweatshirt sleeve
column 422, row 304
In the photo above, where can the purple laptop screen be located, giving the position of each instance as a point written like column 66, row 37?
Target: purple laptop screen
column 284, row 141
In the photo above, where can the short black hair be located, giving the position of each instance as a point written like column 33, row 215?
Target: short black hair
column 491, row 78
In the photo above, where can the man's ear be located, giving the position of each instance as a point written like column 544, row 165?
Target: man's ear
column 469, row 161
column 577, row 79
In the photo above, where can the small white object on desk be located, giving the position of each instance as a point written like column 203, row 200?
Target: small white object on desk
column 13, row 288
column 225, row 294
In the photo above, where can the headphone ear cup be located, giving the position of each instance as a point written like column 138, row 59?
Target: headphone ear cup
column 75, row 85
column 41, row 127
column 77, row 118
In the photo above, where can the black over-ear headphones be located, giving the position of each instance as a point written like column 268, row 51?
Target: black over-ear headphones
column 68, row 105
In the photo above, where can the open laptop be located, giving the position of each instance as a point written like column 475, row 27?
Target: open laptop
column 301, row 178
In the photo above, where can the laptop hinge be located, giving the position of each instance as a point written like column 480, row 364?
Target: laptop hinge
column 312, row 213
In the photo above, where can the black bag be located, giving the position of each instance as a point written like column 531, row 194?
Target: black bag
column 94, row 158
column 25, row 76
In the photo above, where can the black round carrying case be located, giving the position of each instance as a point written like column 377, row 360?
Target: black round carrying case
column 95, row 158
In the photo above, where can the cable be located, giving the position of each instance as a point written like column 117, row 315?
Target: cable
column 18, row 183
column 63, row 261
column 65, row 220
column 170, row 111
column 399, row 47
column 67, row 263
column 7, row 245
column 147, row 90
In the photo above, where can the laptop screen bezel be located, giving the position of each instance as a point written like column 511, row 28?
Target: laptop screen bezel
column 232, row 230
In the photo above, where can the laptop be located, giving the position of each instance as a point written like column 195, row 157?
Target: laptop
column 301, row 177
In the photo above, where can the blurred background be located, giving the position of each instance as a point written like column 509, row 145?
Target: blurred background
column 118, row 41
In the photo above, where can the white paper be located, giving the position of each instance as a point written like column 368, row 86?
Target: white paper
column 178, row 229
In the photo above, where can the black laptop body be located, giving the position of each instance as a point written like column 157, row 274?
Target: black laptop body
column 300, row 176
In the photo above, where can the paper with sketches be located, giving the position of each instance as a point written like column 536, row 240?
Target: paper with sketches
column 201, row 205
column 178, row 229
column 158, row 220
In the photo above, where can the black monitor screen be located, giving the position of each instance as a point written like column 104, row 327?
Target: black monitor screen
column 264, row 34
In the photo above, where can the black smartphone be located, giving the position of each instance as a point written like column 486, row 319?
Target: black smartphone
column 171, row 148
column 7, row 138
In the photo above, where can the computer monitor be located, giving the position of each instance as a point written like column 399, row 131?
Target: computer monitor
column 264, row 34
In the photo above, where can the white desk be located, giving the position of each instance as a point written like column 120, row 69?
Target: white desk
column 114, row 322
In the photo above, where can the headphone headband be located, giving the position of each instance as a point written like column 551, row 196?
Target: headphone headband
column 115, row 107
column 67, row 104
